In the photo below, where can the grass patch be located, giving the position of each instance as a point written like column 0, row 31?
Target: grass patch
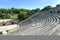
column 13, row 15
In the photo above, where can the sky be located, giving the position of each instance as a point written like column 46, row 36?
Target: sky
column 28, row 4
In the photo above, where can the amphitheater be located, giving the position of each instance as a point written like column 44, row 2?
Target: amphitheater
column 41, row 23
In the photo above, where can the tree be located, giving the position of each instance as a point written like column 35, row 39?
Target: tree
column 16, row 11
column 12, row 9
column 37, row 9
column 58, row 5
column 0, row 16
column 21, row 16
column 46, row 8
column 5, row 16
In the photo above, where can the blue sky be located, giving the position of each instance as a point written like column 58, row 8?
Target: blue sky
column 28, row 4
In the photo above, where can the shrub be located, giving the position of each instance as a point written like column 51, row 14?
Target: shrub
column 5, row 16
column 7, row 31
column 1, row 33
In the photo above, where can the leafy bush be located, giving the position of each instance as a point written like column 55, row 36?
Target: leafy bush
column 21, row 16
column 1, row 33
column 5, row 16
column 7, row 31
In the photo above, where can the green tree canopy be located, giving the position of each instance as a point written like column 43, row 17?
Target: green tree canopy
column 5, row 16
column 58, row 5
column 46, row 8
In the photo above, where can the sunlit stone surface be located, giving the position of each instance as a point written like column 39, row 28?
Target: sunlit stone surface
column 41, row 23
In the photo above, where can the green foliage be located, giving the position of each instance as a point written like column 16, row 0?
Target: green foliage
column 21, row 16
column 46, row 8
column 7, row 31
column 5, row 16
column 37, row 9
column 1, row 33
column 13, row 15
column 58, row 5
column 19, row 13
